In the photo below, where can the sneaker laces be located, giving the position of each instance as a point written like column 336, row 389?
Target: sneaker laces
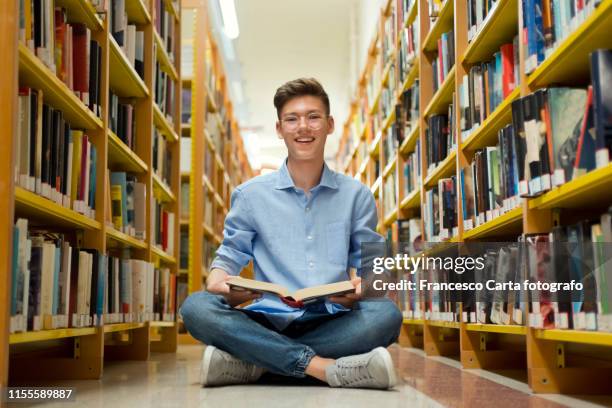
column 238, row 370
column 354, row 374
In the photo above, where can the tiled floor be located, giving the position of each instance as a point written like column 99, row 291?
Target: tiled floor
column 170, row 380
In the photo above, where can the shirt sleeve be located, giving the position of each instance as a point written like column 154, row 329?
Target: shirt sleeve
column 363, row 228
column 236, row 250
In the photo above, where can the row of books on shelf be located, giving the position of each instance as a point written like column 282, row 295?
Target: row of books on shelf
column 186, row 106
column 165, row 26
column 440, row 212
column 444, row 59
column 128, row 199
column 406, row 119
column 517, row 280
column 67, row 49
column 412, row 170
column 57, row 284
column 440, row 138
column 129, row 39
column 489, row 184
column 486, row 86
column 409, row 46
column 185, row 193
column 52, row 159
column 478, row 12
column 162, row 157
column 122, row 120
column 546, row 23
column 560, row 133
column 163, row 86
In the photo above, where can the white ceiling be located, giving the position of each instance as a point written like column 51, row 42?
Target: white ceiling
column 283, row 40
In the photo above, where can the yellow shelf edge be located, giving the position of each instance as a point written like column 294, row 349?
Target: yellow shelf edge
column 439, row 26
column 414, row 322
column 441, row 169
column 34, row 73
column 410, row 142
column 82, row 11
column 512, row 216
column 376, row 186
column 412, row 200
column 50, row 211
column 123, row 78
column 171, row 9
column 441, row 323
column 42, row 335
column 161, row 323
column 491, row 22
column 167, row 194
column 442, row 95
column 493, row 123
column 497, row 328
column 574, row 336
column 391, row 218
column 163, row 124
column 124, row 238
column 570, row 43
column 163, row 58
column 117, row 147
column 116, row 327
column 390, row 166
column 564, row 194
column 137, row 12
column 163, row 255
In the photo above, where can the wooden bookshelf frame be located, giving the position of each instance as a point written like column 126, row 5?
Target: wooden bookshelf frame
column 90, row 345
column 548, row 358
column 230, row 167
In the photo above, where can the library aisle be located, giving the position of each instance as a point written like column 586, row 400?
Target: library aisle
column 173, row 380
column 472, row 139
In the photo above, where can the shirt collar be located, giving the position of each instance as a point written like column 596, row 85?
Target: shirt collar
column 328, row 179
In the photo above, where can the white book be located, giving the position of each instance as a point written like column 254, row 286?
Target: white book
column 130, row 44
column 139, row 287
column 88, row 276
column 47, row 282
column 64, row 282
column 82, row 282
column 140, row 206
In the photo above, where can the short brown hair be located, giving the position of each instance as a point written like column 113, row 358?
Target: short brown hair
column 299, row 87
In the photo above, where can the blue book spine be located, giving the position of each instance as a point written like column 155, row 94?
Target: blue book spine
column 101, row 285
column 15, row 271
column 529, row 18
column 56, row 272
column 498, row 80
column 463, row 201
column 539, row 30
column 92, row 177
column 557, row 21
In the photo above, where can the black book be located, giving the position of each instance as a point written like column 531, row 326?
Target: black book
column 35, row 281
column 47, row 116
column 544, row 153
column 94, row 281
column 33, row 121
column 601, row 75
column 93, row 76
column 531, row 116
column 520, row 145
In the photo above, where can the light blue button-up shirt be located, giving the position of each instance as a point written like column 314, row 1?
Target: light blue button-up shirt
column 295, row 239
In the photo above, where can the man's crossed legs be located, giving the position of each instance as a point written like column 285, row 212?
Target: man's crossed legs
column 345, row 350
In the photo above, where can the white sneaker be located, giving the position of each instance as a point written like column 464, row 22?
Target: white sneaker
column 221, row 368
column 369, row 370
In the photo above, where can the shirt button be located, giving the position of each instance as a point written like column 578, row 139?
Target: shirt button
column 309, row 237
column 311, row 264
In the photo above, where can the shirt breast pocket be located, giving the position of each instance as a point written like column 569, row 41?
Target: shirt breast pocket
column 337, row 239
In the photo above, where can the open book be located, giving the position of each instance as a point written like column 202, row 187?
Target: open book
column 296, row 299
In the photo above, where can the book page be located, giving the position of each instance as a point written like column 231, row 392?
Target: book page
column 251, row 284
column 338, row 288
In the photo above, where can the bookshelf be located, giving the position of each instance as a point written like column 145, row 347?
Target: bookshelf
column 218, row 158
column 548, row 360
column 34, row 354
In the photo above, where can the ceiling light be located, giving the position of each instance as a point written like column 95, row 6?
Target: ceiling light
column 230, row 20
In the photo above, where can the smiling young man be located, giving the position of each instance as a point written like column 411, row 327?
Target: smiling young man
column 302, row 225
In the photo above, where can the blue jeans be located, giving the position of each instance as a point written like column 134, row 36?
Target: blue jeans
column 249, row 337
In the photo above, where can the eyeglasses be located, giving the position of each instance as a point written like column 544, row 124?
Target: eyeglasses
column 314, row 121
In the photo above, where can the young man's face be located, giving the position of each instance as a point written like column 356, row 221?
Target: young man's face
column 304, row 127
